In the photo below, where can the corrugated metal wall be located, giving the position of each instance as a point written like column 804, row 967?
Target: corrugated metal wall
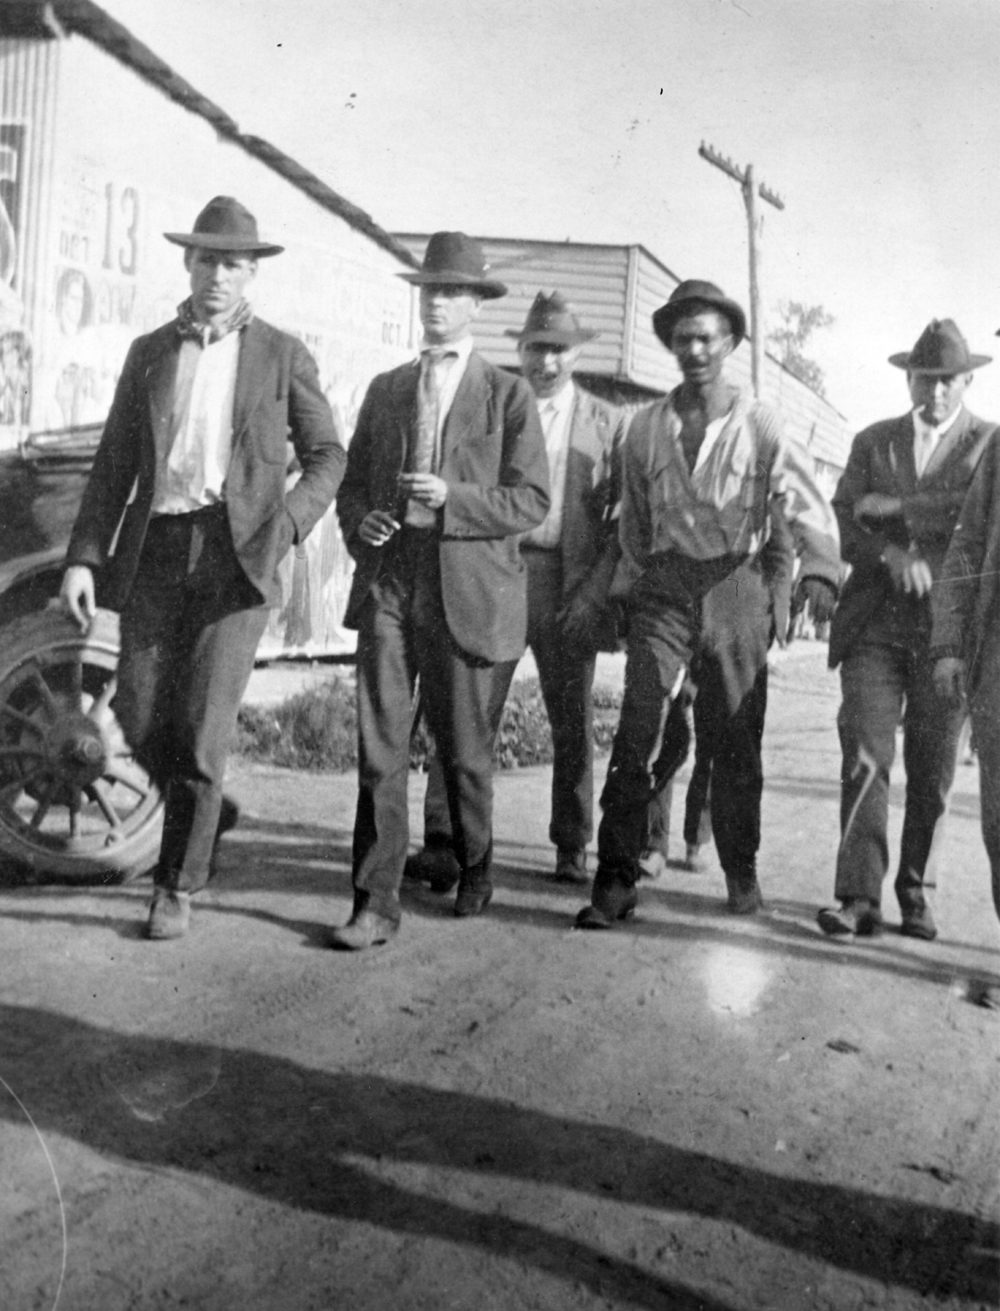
column 29, row 79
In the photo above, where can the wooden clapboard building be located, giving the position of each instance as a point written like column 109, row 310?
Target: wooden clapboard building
column 615, row 290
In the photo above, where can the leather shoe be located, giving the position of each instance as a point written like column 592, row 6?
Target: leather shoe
column 652, row 864
column 436, row 865
column 693, row 859
column 571, row 865
column 744, row 894
column 919, row 923
column 473, row 897
column 609, row 902
column 364, row 929
column 855, row 916
column 169, row 915
column 229, row 817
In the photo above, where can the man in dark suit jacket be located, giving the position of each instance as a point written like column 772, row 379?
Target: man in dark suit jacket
column 897, row 503
column 570, row 561
column 445, row 469
column 965, row 643
column 186, row 518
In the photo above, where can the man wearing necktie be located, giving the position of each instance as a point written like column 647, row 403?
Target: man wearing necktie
column 445, row 470
column 897, row 504
column 570, row 559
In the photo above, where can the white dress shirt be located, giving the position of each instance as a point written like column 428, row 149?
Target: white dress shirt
column 556, row 414
column 201, row 427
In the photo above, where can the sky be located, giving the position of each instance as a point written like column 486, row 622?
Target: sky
column 875, row 121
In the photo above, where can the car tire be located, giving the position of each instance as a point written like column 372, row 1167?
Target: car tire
column 75, row 806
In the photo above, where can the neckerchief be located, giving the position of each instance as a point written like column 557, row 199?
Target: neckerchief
column 192, row 329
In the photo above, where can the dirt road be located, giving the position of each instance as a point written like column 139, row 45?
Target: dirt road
column 490, row 1115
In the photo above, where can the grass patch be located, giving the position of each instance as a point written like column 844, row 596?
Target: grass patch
column 317, row 730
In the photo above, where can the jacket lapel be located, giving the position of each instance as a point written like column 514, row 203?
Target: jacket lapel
column 404, row 408
column 468, row 406
column 904, row 465
column 950, row 444
column 251, row 371
column 161, row 375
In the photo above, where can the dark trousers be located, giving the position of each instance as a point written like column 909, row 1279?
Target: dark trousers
column 985, row 708
column 189, row 632
column 404, row 635
column 883, row 684
column 667, row 615
column 566, row 676
column 681, row 729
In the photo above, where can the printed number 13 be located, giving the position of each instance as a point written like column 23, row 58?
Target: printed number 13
column 121, row 227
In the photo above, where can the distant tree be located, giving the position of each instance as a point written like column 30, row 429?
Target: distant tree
column 789, row 341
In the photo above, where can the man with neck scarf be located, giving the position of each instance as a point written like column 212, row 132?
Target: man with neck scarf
column 184, row 522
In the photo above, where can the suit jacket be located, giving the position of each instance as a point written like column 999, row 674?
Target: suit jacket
column 588, row 542
column 965, row 601
column 882, row 460
column 493, row 460
column 277, row 398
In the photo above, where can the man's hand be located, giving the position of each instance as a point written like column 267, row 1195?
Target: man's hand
column 76, row 595
column 377, row 527
column 909, row 571
column 949, row 678
column 424, row 488
column 819, row 597
column 874, row 508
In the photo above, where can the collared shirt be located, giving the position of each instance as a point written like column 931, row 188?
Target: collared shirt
column 201, row 426
column 926, row 437
column 556, row 414
column 450, row 371
column 722, row 506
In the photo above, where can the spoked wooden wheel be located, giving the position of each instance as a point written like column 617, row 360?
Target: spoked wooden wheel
column 74, row 804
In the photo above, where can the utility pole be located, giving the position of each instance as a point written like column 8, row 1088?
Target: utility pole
column 748, row 184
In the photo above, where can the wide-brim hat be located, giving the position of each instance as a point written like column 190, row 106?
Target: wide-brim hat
column 939, row 349
column 687, row 293
column 454, row 260
column 225, row 224
column 550, row 320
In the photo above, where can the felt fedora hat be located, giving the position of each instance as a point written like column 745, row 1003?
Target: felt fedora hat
column 225, row 224
column 454, row 260
column 551, row 320
column 707, row 293
column 940, row 348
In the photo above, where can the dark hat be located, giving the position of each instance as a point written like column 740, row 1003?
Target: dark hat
column 551, row 320
column 697, row 290
column 224, row 224
column 940, row 348
column 454, row 260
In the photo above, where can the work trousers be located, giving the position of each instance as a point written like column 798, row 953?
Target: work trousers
column 189, row 633
column 985, row 709
column 884, row 684
column 680, row 730
column 404, row 635
column 665, row 622
column 566, row 676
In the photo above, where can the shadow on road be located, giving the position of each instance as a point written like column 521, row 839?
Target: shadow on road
column 330, row 1143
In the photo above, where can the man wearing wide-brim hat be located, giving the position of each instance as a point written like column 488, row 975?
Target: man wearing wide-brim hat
column 569, row 561
column 184, row 522
column 445, row 470
column 705, row 471
column 897, row 504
